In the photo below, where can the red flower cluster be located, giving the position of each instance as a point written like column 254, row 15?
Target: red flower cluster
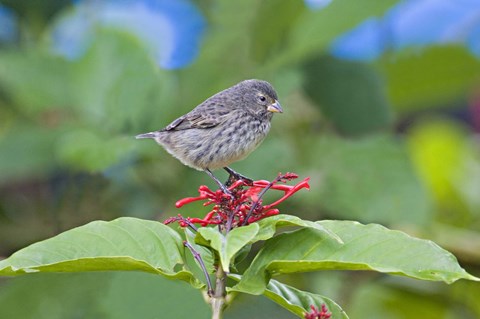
column 242, row 206
column 318, row 313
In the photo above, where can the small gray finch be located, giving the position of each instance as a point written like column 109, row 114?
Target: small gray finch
column 223, row 129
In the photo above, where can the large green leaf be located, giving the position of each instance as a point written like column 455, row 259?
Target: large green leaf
column 91, row 151
column 370, row 180
column 112, row 94
column 295, row 300
column 267, row 42
column 268, row 226
column 34, row 81
column 299, row 302
column 366, row 247
column 122, row 244
column 317, row 28
column 350, row 94
column 435, row 77
column 229, row 245
column 224, row 58
column 27, row 151
column 93, row 100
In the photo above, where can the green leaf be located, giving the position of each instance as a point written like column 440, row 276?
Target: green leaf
column 114, row 95
column 299, row 302
column 122, row 244
column 218, row 63
column 36, row 82
column 88, row 150
column 92, row 100
column 366, row 247
column 435, row 77
column 316, row 29
column 350, row 94
column 370, row 180
column 266, row 42
column 295, row 300
column 27, row 151
column 268, row 226
column 228, row 246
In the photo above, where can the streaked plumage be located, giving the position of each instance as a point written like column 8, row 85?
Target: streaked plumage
column 223, row 129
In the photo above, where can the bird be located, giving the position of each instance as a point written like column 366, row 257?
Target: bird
column 223, row 129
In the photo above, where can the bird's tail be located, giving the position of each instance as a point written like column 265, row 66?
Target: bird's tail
column 146, row 135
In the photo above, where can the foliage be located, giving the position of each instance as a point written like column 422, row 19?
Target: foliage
column 390, row 142
column 139, row 245
column 149, row 246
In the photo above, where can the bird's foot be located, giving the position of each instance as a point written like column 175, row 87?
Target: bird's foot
column 223, row 187
column 235, row 176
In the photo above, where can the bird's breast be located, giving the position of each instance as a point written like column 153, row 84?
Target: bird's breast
column 219, row 146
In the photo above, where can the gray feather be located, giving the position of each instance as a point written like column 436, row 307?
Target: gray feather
column 146, row 135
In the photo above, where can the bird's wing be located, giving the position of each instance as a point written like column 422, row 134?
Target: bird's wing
column 195, row 119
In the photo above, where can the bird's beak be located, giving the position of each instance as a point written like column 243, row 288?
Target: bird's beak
column 275, row 107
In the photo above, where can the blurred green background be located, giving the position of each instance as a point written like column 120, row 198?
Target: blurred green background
column 389, row 137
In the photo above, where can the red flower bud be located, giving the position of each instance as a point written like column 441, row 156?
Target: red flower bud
column 315, row 313
column 242, row 206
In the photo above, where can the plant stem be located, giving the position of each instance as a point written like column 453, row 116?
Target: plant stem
column 199, row 259
column 218, row 299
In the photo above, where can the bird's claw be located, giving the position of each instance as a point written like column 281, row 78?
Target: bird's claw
column 233, row 177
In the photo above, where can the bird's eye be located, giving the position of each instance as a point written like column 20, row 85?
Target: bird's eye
column 262, row 98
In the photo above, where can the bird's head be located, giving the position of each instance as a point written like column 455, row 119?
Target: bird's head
column 260, row 97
